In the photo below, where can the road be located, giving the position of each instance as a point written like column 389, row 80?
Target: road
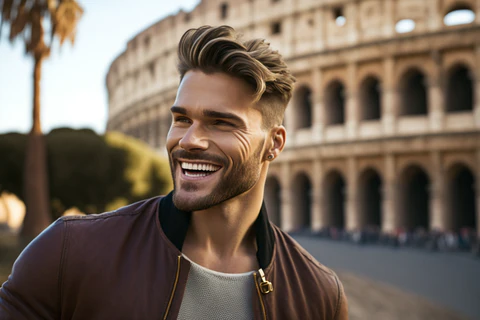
column 448, row 279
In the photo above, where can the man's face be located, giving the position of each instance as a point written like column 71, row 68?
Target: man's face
column 216, row 141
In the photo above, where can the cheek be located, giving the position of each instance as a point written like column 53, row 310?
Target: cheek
column 244, row 145
column 173, row 137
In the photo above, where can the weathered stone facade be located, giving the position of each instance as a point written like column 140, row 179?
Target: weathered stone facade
column 383, row 128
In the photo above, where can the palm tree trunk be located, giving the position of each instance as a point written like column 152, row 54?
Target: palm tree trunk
column 35, row 181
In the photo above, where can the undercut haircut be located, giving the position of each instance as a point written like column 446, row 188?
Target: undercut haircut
column 221, row 49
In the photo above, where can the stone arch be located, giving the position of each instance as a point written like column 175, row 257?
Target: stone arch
column 459, row 89
column 414, row 203
column 413, row 92
column 302, row 202
column 334, row 198
column 461, row 204
column 370, row 98
column 303, row 107
column 273, row 200
column 335, row 101
column 370, row 198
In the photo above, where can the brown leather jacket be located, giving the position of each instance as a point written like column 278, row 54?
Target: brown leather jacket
column 127, row 264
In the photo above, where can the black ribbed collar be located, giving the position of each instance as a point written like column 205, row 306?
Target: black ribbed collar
column 175, row 224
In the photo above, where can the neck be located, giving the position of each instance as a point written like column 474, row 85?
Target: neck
column 222, row 237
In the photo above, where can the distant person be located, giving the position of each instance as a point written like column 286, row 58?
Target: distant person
column 206, row 250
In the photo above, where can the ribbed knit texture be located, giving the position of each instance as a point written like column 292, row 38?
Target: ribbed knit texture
column 215, row 295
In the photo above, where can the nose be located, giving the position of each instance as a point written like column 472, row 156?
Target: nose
column 194, row 139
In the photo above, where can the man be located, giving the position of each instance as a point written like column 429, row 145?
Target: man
column 206, row 250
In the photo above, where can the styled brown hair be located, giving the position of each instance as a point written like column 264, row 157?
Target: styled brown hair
column 220, row 49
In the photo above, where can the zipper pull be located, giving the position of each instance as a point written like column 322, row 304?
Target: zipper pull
column 265, row 286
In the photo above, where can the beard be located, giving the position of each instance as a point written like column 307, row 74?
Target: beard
column 241, row 178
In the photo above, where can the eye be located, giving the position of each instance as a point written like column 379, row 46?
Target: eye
column 219, row 122
column 181, row 119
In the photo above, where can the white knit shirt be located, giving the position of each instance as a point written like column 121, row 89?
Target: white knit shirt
column 216, row 295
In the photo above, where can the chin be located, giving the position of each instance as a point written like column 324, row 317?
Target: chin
column 190, row 202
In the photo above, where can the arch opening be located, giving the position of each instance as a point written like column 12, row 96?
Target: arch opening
column 370, row 98
column 462, row 198
column 335, row 103
column 370, row 196
column 458, row 16
column 415, row 199
column 303, row 103
column 273, row 200
column 334, row 205
column 405, row 25
column 302, row 201
column 459, row 90
column 413, row 93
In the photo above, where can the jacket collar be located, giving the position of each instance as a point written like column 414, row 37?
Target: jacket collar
column 175, row 224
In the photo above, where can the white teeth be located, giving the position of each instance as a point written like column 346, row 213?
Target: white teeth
column 199, row 166
column 195, row 174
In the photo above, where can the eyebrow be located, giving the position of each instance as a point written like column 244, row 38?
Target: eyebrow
column 180, row 110
column 211, row 114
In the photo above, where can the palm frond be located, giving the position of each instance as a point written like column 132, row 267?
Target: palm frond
column 5, row 13
column 18, row 23
column 65, row 20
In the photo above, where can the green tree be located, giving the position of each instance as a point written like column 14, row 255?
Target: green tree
column 26, row 19
column 12, row 151
column 90, row 172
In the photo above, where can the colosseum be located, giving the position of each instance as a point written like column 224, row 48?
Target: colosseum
column 384, row 124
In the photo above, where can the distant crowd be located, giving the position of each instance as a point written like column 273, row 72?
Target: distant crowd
column 465, row 240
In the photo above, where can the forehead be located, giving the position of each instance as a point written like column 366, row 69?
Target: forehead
column 217, row 90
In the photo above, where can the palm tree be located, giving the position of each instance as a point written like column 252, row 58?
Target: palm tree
column 26, row 19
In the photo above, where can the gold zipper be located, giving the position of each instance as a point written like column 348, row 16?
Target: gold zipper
column 174, row 287
column 264, row 287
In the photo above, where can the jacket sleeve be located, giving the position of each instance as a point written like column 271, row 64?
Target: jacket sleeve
column 342, row 304
column 32, row 290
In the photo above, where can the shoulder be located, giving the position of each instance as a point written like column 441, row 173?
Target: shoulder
column 286, row 243
column 321, row 279
column 132, row 210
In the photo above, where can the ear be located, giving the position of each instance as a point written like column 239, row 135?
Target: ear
column 277, row 138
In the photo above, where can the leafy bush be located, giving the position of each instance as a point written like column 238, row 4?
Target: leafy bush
column 90, row 172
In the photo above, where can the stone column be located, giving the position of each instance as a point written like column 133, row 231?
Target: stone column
column 152, row 120
column 318, row 107
column 288, row 30
column 144, row 126
column 390, row 98
column 288, row 214
column 320, row 28
column 390, row 222
column 477, row 16
column 352, row 12
column 352, row 112
column 434, row 20
column 438, row 218
column 165, row 120
column 436, row 108
column 317, row 221
column 389, row 18
column 352, row 220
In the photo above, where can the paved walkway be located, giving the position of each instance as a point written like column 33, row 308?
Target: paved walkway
column 451, row 280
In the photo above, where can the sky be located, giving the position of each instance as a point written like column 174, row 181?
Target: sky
column 73, row 91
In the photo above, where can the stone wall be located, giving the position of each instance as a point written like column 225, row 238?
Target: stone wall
column 384, row 125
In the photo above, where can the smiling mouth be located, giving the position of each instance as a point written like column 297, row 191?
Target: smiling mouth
column 197, row 169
